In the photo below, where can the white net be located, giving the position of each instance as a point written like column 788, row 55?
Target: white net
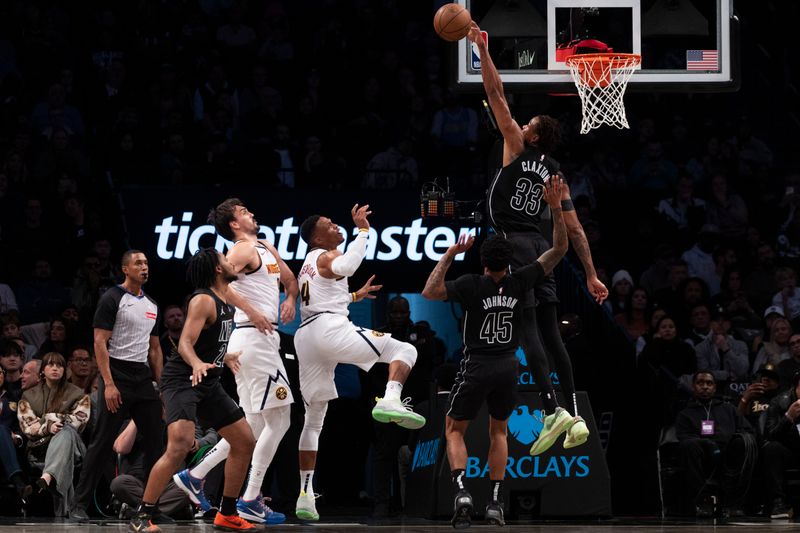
column 601, row 80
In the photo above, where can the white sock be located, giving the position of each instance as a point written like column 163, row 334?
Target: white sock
column 575, row 403
column 393, row 390
column 214, row 457
column 254, row 481
column 306, row 481
column 274, row 422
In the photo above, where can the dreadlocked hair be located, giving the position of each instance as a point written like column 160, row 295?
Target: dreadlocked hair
column 496, row 253
column 222, row 216
column 202, row 268
column 549, row 132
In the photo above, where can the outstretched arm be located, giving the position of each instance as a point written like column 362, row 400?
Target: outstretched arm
column 581, row 245
column 512, row 134
column 434, row 287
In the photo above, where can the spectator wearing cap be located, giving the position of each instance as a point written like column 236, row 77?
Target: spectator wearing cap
column 788, row 298
column 776, row 349
column 782, row 450
column 618, row 296
column 699, row 258
column 714, row 438
column 787, row 368
column 719, row 353
column 755, row 401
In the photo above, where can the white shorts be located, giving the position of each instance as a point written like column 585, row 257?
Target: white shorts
column 261, row 382
column 327, row 340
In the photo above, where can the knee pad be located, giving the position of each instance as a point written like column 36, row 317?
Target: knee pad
column 315, row 416
column 277, row 420
column 406, row 353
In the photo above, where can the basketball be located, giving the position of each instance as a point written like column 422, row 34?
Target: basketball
column 452, row 22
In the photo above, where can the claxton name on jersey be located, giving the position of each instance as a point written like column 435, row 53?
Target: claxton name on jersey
column 499, row 301
column 537, row 168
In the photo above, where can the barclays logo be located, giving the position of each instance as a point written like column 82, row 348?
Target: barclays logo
column 526, row 377
column 525, row 425
column 425, row 454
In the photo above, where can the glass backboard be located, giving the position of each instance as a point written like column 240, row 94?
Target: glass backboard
column 685, row 45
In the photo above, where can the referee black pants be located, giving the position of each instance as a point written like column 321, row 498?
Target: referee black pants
column 141, row 403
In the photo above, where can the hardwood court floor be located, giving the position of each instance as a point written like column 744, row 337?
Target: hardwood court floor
column 359, row 524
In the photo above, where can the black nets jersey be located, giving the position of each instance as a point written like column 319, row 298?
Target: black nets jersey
column 516, row 196
column 493, row 310
column 211, row 345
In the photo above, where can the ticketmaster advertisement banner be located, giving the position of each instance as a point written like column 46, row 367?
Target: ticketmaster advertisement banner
column 170, row 224
column 559, row 482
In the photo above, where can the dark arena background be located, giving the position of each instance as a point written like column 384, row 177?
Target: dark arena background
column 122, row 124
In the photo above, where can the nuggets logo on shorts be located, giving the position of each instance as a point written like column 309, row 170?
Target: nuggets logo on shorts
column 378, row 333
column 273, row 268
column 280, row 393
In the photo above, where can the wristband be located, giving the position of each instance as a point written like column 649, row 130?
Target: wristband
column 353, row 296
column 363, row 230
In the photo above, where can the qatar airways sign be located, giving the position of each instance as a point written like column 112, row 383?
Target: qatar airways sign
column 180, row 236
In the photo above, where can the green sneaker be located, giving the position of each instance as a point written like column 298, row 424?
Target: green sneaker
column 387, row 411
column 306, row 508
column 554, row 425
column 577, row 434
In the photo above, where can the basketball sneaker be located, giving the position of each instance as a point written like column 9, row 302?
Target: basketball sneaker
column 577, row 434
column 306, row 508
column 232, row 523
column 554, row 425
column 257, row 511
column 387, row 410
column 193, row 488
column 142, row 523
column 462, row 510
column 494, row 514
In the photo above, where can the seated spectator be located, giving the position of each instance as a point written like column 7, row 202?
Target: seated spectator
column 12, row 331
column 41, row 296
column 692, row 292
column 699, row 258
column 714, row 438
column 668, row 298
column 656, row 276
column 700, row 323
column 782, row 451
column 129, row 485
column 732, row 299
column 682, row 214
column 755, row 401
column 724, row 257
column 618, row 295
column 30, row 374
column 667, row 365
column 10, row 440
column 81, row 370
column 634, row 318
column 776, row 349
column 726, row 210
column 8, row 302
column 652, row 320
column 52, row 415
column 760, row 284
column 720, row 354
column 789, row 367
column 788, row 299
column 392, row 168
column 58, row 339
column 173, row 321
column 11, row 362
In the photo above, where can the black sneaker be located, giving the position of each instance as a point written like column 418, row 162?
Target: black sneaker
column 780, row 510
column 78, row 515
column 494, row 514
column 142, row 523
column 462, row 510
column 162, row 519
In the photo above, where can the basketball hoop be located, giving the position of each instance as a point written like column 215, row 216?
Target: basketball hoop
column 601, row 80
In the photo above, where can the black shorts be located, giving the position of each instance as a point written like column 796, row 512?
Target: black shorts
column 493, row 379
column 527, row 249
column 207, row 403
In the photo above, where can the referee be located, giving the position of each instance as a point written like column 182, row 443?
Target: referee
column 493, row 311
column 125, row 340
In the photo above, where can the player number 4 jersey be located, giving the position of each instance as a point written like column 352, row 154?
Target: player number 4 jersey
column 319, row 294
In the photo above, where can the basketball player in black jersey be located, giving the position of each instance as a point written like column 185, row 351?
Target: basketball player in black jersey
column 493, row 314
column 516, row 211
column 191, row 391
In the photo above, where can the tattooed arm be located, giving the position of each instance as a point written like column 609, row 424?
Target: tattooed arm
column 434, row 287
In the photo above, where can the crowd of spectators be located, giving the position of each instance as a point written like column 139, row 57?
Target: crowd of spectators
column 702, row 267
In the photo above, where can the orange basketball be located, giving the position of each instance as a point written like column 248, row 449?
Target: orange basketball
column 452, row 22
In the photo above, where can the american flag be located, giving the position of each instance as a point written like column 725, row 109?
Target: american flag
column 702, row 60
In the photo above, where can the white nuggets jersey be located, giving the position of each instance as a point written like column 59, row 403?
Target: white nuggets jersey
column 261, row 287
column 319, row 294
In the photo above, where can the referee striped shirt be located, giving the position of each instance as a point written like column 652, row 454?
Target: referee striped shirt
column 131, row 319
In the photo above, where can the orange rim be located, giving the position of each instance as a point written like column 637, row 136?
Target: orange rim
column 616, row 60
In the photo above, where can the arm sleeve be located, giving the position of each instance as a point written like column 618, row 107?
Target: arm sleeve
column 106, row 314
column 348, row 263
column 530, row 275
column 461, row 289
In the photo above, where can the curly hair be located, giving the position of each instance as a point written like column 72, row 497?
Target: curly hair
column 549, row 132
column 496, row 253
